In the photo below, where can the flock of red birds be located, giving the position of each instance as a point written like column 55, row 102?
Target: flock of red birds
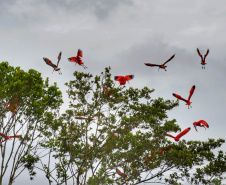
column 122, row 80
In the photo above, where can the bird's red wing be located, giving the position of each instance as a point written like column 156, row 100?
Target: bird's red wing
column 199, row 53
column 129, row 77
column 170, row 136
column 206, row 54
column 80, row 62
column 80, row 53
column 169, row 59
column 183, row 133
column 179, row 97
column 119, row 78
column 73, row 59
column 48, row 62
column 59, row 57
column 149, row 64
column 191, row 92
column 204, row 123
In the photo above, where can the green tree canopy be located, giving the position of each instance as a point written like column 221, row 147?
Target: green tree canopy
column 25, row 100
column 122, row 139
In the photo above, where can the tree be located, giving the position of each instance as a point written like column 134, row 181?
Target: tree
column 25, row 99
column 122, row 138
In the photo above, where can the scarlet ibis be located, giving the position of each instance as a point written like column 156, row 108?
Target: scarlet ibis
column 81, row 117
column 55, row 67
column 160, row 152
column 148, row 159
column 123, row 175
column 107, row 92
column 78, row 59
column 123, row 79
column 163, row 66
column 177, row 138
column 12, row 106
column 189, row 97
column 200, row 123
column 203, row 60
column 8, row 137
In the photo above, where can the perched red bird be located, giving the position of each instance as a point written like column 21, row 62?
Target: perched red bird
column 162, row 65
column 203, row 60
column 12, row 106
column 81, row 117
column 148, row 159
column 200, row 123
column 55, row 67
column 8, row 137
column 189, row 97
column 177, row 138
column 78, row 59
column 123, row 79
column 159, row 152
column 107, row 92
column 123, row 175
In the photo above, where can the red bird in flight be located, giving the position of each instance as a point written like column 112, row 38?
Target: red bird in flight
column 163, row 66
column 55, row 67
column 203, row 60
column 189, row 97
column 200, row 123
column 123, row 79
column 78, row 59
column 177, row 138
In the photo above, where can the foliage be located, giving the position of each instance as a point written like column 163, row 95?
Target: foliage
column 123, row 129
column 25, row 99
column 128, row 128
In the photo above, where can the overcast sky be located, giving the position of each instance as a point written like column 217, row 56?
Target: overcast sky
column 125, row 34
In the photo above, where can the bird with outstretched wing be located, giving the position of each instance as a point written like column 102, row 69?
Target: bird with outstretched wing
column 203, row 60
column 55, row 67
column 78, row 59
column 177, row 138
column 123, row 79
column 189, row 97
column 162, row 66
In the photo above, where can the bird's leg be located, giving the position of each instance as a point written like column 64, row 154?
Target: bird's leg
column 84, row 66
column 158, row 69
column 53, row 71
